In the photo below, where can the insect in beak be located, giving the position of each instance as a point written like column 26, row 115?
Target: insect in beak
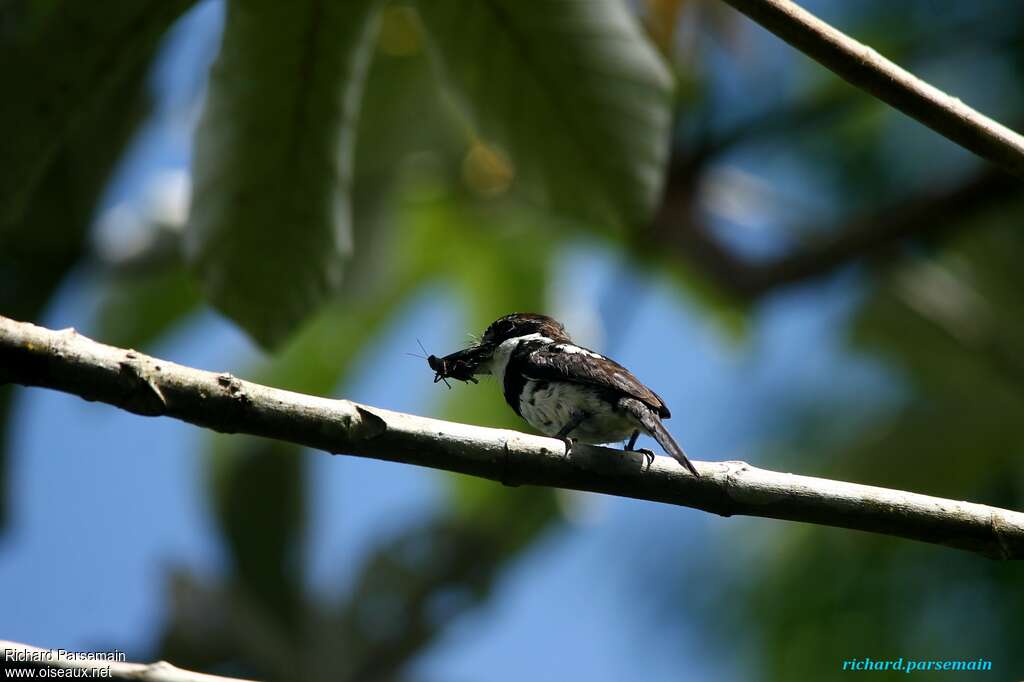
column 447, row 367
column 460, row 365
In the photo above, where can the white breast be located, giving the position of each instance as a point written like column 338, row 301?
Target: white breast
column 549, row 408
column 549, row 405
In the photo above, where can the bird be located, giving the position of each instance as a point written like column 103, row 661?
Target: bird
column 562, row 389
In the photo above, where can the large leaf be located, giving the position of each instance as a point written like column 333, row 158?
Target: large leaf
column 571, row 92
column 59, row 61
column 270, row 225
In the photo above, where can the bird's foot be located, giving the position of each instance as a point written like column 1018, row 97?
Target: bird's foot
column 648, row 455
column 568, row 446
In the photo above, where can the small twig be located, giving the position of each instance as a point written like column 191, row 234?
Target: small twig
column 14, row 655
column 69, row 362
column 865, row 68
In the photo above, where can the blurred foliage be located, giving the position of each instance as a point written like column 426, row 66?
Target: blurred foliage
column 58, row 191
column 65, row 61
column 273, row 149
column 269, row 224
column 579, row 76
column 409, row 589
column 482, row 143
column 949, row 324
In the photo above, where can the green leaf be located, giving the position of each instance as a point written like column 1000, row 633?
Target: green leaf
column 571, row 92
column 270, row 225
column 60, row 62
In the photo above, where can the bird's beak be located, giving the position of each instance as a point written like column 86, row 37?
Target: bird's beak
column 463, row 364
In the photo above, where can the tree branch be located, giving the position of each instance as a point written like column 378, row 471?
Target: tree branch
column 13, row 655
column 66, row 361
column 861, row 66
column 930, row 214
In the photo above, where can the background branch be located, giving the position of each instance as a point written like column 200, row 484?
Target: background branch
column 36, row 658
column 70, row 362
column 863, row 67
column 874, row 234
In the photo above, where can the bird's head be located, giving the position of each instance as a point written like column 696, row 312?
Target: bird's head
column 476, row 359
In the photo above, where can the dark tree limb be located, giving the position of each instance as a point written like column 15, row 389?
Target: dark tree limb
column 872, row 235
column 928, row 215
column 69, row 362
column 865, row 68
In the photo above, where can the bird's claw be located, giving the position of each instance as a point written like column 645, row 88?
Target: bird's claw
column 568, row 446
column 647, row 454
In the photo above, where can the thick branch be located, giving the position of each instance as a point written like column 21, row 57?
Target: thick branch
column 14, row 655
column 863, row 67
column 66, row 361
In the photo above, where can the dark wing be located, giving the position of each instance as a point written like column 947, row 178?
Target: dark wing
column 587, row 367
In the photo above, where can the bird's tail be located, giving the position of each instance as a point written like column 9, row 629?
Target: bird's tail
column 665, row 440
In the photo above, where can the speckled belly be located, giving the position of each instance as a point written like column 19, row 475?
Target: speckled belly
column 548, row 406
